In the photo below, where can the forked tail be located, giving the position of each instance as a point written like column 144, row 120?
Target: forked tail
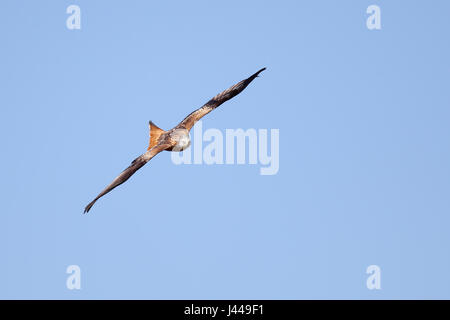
column 155, row 133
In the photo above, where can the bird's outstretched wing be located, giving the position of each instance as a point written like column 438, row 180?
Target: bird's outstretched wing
column 137, row 163
column 212, row 104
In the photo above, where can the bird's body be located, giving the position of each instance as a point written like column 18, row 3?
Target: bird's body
column 176, row 139
column 179, row 137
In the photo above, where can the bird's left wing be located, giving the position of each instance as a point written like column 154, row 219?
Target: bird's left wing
column 137, row 163
column 212, row 104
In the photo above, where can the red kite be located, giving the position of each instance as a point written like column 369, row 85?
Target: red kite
column 176, row 139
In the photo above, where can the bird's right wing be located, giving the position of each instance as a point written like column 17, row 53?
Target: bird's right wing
column 137, row 163
column 212, row 104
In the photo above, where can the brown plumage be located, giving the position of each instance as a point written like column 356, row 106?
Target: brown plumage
column 176, row 139
column 155, row 133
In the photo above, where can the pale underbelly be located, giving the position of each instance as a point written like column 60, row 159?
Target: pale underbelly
column 182, row 144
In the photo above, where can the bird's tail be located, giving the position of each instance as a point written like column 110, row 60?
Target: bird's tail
column 155, row 133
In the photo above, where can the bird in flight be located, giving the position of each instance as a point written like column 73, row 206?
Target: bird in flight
column 176, row 139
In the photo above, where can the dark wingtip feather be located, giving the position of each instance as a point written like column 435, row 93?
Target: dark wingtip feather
column 255, row 75
column 261, row 70
column 89, row 206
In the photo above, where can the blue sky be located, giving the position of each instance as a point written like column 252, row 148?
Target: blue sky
column 364, row 152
